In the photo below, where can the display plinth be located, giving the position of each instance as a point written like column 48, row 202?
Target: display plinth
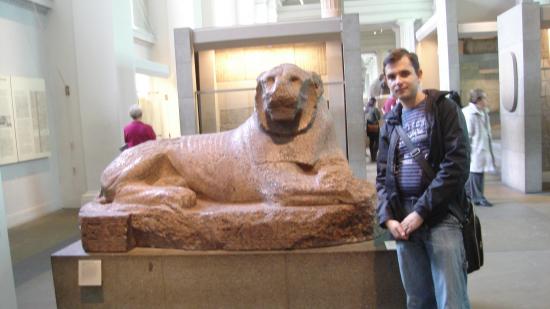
column 362, row 275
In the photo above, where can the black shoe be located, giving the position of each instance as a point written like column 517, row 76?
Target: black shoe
column 484, row 203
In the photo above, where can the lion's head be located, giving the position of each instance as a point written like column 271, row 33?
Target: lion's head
column 286, row 99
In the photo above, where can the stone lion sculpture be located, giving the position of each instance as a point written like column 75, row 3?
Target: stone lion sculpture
column 284, row 156
column 285, row 153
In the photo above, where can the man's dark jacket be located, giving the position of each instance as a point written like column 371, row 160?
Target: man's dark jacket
column 449, row 157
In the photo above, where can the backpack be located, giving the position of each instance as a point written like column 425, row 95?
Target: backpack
column 455, row 97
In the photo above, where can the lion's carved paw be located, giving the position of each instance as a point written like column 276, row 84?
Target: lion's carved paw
column 332, row 179
column 172, row 196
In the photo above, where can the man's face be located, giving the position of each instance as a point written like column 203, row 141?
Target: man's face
column 482, row 103
column 403, row 80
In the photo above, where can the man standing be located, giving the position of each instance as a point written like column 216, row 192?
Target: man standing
column 479, row 132
column 424, row 214
column 372, row 123
column 376, row 88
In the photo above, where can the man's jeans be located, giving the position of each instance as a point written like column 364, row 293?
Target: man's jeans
column 433, row 266
column 474, row 188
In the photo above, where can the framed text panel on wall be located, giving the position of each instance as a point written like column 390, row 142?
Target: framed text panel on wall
column 8, row 146
column 31, row 118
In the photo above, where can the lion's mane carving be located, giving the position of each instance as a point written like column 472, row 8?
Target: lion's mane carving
column 241, row 189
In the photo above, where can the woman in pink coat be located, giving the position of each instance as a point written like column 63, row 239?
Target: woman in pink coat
column 137, row 132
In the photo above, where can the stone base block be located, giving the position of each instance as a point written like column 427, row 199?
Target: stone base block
column 362, row 275
column 107, row 233
column 216, row 226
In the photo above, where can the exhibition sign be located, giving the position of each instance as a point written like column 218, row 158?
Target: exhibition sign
column 24, row 132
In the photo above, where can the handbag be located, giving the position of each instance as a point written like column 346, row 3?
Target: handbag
column 471, row 226
column 473, row 241
column 373, row 128
column 372, row 120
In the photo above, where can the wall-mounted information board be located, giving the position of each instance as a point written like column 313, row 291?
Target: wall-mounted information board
column 24, row 131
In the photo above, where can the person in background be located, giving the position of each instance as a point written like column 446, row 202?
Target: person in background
column 376, row 88
column 372, row 123
column 482, row 157
column 137, row 132
column 390, row 102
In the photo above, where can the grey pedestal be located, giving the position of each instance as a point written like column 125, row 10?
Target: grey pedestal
column 362, row 275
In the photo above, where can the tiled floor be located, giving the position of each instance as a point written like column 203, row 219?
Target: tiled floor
column 516, row 234
column 31, row 245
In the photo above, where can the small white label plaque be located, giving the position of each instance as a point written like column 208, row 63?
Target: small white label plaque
column 89, row 273
column 390, row 244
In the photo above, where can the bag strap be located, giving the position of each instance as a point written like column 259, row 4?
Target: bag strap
column 416, row 153
column 390, row 163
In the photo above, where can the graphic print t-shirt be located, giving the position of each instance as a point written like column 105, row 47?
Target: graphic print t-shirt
column 409, row 171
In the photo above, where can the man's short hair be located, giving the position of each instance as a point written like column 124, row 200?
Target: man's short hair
column 135, row 111
column 398, row 53
column 476, row 95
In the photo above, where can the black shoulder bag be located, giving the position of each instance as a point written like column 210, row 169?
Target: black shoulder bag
column 471, row 226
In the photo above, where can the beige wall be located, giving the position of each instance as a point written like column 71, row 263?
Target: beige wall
column 480, row 71
column 427, row 55
column 545, row 98
column 237, row 68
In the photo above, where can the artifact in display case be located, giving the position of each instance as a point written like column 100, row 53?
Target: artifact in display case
column 278, row 181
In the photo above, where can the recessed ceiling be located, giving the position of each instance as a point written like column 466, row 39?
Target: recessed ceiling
column 470, row 11
column 298, row 2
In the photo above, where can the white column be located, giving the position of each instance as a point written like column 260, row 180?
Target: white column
column 265, row 11
column 246, row 12
column 105, row 77
column 331, row 8
column 364, row 80
column 183, row 13
column 224, row 12
column 519, row 78
column 447, row 45
column 351, row 49
column 185, row 70
column 7, row 288
column 397, row 32
column 407, row 34
column 380, row 55
column 272, row 11
column 196, row 12
column 335, row 93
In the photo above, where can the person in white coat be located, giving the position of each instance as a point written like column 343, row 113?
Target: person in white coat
column 482, row 158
